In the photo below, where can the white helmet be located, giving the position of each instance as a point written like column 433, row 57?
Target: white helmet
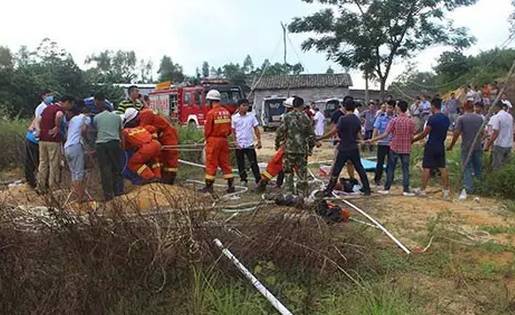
column 288, row 103
column 213, row 95
column 130, row 114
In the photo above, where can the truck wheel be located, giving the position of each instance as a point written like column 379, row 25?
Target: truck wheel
column 192, row 124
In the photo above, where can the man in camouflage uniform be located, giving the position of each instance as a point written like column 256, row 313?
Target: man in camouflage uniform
column 297, row 135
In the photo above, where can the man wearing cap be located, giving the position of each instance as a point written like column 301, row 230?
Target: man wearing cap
column 298, row 137
column 217, row 128
column 108, row 148
column 132, row 102
column 142, row 140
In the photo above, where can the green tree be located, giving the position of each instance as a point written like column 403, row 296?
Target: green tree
column 205, row 69
column 145, row 68
column 114, row 67
column 330, row 71
column 279, row 68
column 234, row 73
column 451, row 69
column 248, row 65
column 168, row 70
column 6, row 58
column 212, row 71
column 48, row 67
column 370, row 35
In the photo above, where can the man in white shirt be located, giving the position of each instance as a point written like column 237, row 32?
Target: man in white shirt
column 502, row 137
column 244, row 126
column 319, row 122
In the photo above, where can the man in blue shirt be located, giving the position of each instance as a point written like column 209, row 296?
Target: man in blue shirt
column 383, row 146
column 434, row 150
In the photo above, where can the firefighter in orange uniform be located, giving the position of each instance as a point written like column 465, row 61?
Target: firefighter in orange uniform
column 274, row 168
column 216, row 130
column 143, row 140
column 167, row 136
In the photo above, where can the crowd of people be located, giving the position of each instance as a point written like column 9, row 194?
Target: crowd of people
column 67, row 128
column 148, row 144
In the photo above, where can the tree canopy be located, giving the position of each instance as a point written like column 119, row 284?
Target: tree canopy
column 455, row 70
column 170, row 71
column 370, row 35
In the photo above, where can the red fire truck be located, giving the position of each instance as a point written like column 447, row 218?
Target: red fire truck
column 187, row 104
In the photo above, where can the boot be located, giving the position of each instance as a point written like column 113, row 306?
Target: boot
column 261, row 186
column 208, row 188
column 171, row 179
column 230, row 186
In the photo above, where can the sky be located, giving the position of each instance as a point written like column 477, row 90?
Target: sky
column 217, row 31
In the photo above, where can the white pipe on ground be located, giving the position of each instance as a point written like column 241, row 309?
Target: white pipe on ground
column 382, row 228
column 255, row 282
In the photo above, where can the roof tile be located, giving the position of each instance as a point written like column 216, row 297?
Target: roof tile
column 304, row 81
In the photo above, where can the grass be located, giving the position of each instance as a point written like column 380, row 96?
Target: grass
column 12, row 142
column 499, row 229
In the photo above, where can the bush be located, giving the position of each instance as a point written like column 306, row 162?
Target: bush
column 12, row 142
column 499, row 183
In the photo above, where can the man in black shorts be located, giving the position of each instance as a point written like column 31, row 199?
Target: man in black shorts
column 434, row 150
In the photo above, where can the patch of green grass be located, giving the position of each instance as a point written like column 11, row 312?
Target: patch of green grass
column 12, row 141
column 376, row 297
column 493, row 247
column 499, row 229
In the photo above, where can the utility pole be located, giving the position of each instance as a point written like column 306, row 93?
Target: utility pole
column 284, row 40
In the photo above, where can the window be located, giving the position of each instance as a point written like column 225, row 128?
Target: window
column 173, row 103
column 198, row 98
column 187, row 98
column 230, row 97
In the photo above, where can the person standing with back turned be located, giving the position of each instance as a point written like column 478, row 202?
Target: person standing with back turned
column 216, row 130
column 108, row 149
column 297, row 134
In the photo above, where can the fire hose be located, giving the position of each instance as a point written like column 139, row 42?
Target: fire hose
column 255, row 282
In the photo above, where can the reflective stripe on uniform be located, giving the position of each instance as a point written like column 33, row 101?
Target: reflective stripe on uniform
column 170, row 169
column 210, row 177
column 222, row 121
column 228, row 176
column 267, row 175
column 141, row 169
column 136, row 131
column 156, row 165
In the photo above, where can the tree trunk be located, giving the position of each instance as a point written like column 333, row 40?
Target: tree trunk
column 383, row 87
column 367, row 97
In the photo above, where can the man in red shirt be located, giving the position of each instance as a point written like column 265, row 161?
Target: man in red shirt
column 402, row 129
column 50, row 139
column 216, row 130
